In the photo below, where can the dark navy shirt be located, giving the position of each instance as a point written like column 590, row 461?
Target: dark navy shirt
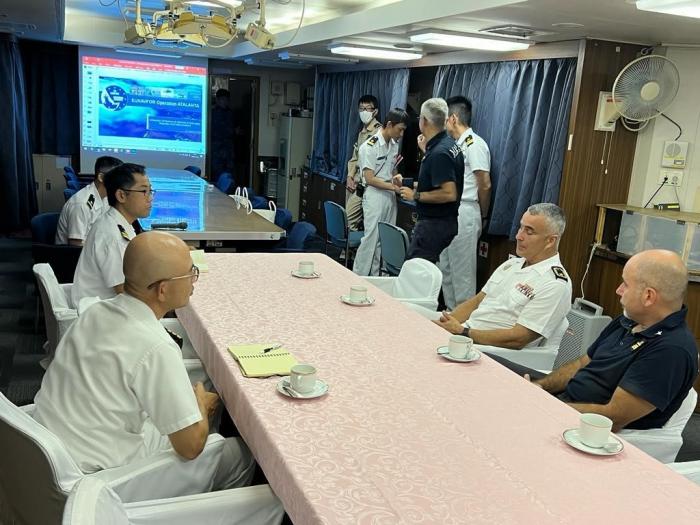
column 443, row 162
column 658, row 364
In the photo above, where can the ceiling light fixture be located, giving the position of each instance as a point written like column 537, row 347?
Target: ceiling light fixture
column 275, row 63
column 689, row 8
column 468, row 42
column 374, row 52
column 147, row 53
column 319, row 59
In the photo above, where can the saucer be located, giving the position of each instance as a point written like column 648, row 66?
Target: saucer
column 367, row 302
column 320, row 389
column 612, row 447
column 314, row 275
column 444, row 352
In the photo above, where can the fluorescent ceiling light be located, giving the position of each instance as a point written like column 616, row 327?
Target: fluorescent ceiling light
column 468, row 42
column 375, row 52
column 272, row 63
column 148, row 53
column 204, row 3
column 320, row 59
column 689, row 8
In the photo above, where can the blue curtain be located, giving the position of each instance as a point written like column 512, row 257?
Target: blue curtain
column 18, row 195
column 337, row 123
column 521, row 109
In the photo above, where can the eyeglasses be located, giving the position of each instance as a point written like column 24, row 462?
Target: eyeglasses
column 194, row 275
column 146, row 193
column 366, row 108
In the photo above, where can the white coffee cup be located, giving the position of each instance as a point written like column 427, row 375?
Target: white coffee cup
column 460, row 346
column 358, row 293
column 306, row 268
column 594, row 430
column 303, row 378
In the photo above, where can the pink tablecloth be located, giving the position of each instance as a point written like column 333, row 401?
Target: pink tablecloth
column 404, row 436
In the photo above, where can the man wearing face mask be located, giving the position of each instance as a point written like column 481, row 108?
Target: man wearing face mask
column 378, row 159
column 368, row 111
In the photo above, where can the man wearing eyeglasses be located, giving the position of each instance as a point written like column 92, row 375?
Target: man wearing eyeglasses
column 99, row 272
column 118, row 391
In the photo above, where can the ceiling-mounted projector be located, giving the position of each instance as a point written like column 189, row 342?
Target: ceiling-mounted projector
column 178, row 26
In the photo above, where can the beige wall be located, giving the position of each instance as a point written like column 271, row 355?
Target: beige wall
column 685, row 110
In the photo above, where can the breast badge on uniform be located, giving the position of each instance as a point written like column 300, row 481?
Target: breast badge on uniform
column 91, row 201
column 526, row 290
column 636, row 345
column 123, row 233
column 559, row 273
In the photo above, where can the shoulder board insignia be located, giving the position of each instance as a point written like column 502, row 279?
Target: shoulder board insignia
column 372, row 140
column 377, row 125
column 91, row 201
column 636, row 345
column 469, row 141
column 559, row 273
column 123, row 233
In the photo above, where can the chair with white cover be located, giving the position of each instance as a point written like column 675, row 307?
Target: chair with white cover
column 37, row 473
column 689, row 469
column 59, row 314
column 418, row 283
column 665, row 442
column 92, row 502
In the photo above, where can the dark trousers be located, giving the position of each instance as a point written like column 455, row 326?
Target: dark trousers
column 431, row 236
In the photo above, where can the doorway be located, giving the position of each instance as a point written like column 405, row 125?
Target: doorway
column 233, row 139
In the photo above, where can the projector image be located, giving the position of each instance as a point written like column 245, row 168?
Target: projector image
column 259, row 36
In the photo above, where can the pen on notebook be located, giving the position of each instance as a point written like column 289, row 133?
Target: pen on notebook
column 270, row 348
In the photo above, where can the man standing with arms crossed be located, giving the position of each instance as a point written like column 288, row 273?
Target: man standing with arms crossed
column 458, row 261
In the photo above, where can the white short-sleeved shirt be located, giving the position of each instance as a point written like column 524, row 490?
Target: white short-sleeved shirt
column 115, row 368
column 477, row 157
column 79, row 214
column 537, row 297
column 99, row 267
column 378, row 155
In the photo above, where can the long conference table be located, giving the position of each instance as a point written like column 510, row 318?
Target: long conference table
column 404, row 436
column 210, row 214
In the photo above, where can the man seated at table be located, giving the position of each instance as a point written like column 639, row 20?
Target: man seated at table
column 99, row 271
column 527, row 298
column 643, row 364
column 117, row 389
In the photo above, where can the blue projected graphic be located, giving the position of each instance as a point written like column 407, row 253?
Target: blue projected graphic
column 177, row 201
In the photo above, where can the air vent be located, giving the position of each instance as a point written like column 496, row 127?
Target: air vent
column 512, row 31
column 13, row 27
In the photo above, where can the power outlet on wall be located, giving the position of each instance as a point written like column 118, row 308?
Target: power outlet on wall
column 672, row 177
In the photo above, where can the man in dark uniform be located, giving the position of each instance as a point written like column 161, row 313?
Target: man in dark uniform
column 439, row 188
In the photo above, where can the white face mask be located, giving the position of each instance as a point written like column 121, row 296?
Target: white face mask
column 366, row 116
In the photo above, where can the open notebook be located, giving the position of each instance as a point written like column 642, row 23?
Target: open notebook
column 256, row 363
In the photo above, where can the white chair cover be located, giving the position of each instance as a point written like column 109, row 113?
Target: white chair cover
column 418, row 283
column 93, row 503
column 689, row 469
column 59, row 314
column 665, row 442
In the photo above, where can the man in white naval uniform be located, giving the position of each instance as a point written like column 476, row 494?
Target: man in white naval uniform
column 378, row 158
column 99, row 272
column 458, row 260
column 527, row 298
column 85, row 207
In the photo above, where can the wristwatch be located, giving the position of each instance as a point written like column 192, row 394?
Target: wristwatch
column 416, row 196
column 465, row 332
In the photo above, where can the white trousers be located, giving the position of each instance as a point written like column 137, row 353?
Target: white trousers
column 377, row 205
column 458, row 260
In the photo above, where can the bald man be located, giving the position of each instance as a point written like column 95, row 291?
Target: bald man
column 118, row 391
column 641, row 367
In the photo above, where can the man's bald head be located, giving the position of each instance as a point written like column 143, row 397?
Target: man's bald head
column 664, row 271
column 153, row 256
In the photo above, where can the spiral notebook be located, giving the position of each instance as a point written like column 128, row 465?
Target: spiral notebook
column 254, row 362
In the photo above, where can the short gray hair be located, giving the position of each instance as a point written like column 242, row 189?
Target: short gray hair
column 556, row 220
column 435, row 111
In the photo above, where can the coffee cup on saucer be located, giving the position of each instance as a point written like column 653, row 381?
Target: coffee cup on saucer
column 594, row 430
column 459, row 346
column 306, row 268
column 358, row 294
column 302, row 378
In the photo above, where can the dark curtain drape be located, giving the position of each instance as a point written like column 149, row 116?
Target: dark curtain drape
column 51, row 80
column 18, row 202
column 336, row 121
column 521, row 109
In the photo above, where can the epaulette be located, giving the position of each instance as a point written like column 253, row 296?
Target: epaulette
column 469, row 141
column 559, row 273
column 377, row 126
column 372, row 140
column 91, row 201
column 123, row 232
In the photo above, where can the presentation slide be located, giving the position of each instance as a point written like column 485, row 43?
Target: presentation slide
column 148, row 110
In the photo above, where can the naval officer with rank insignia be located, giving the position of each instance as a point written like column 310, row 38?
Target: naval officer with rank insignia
column 99, row 272
column 378, row 158
column 85, row 207
column 528, row 297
